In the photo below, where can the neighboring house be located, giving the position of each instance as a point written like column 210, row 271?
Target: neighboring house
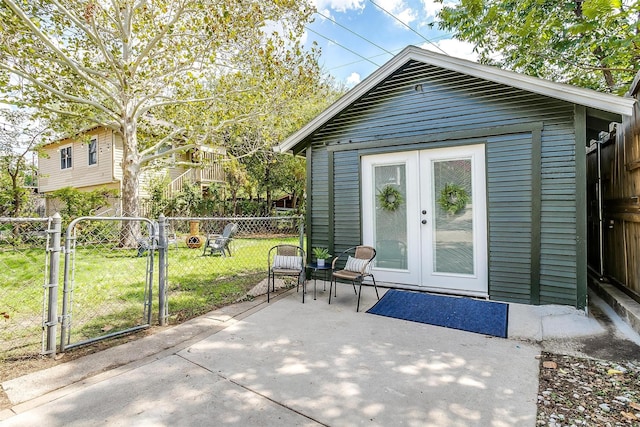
column 93, row 160
column 284, row 203
column 489, row 167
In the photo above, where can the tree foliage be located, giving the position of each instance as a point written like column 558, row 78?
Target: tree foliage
column 590, row 43
column 19, row 138
column 77, row 203
column 274, row 175
column 252, row 184
column 157, row 72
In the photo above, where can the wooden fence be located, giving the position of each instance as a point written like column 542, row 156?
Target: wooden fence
column 619, row 171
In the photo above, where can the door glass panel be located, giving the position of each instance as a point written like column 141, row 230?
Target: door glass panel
column 390, row 221
column 453, row 219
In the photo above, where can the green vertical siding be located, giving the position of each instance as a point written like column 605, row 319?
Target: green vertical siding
column 531, row 178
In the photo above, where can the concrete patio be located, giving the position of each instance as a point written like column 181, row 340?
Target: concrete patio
column 288, row 363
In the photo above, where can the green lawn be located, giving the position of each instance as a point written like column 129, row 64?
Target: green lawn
column 109, row 287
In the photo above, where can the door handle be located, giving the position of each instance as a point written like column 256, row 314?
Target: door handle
column 424, row 221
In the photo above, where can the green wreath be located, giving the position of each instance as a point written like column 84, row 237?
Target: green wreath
column 390, row 198
column 453, row 198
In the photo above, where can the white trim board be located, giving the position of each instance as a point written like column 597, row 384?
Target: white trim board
column 581, row 96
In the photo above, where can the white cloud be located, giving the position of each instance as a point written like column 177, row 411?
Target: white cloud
column 453, row 47
column 407, row 16
column 325, row 13
column 353, row 79
column 431, row 8
column 338, row 5
column 399, row 9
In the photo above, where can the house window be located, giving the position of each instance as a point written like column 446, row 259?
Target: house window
column 93, row 152
column 65, row 158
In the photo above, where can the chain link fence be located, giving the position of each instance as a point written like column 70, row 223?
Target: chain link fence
column 201, row 279
column 107, row 286
column 23, row 285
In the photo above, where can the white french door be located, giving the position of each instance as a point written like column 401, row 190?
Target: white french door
column 425, row 213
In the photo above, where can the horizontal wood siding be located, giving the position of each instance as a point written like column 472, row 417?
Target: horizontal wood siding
column 509, row 193
column 81, row 174
column 423, row 101
column 558, row 270
column 445, row 101
column 346, row 200
column 118, row 153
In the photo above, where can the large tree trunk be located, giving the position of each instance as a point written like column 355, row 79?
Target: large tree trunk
column 267, row 178
column 606, row 72
column 16, row 194
column 130, row 182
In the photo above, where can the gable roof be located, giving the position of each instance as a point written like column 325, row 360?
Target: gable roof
column 586, row 97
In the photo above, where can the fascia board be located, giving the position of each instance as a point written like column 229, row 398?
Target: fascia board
column 576, row 95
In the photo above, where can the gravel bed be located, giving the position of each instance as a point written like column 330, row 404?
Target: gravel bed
column 577, row 391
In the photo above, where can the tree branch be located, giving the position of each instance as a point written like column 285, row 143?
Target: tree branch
column 583, row 66
column 115, row 126
column 153, row 42
column 146, row 109
column 58, row 92
column 160, row 143
column 182, row 148
column 25, row 20
column 84, row 28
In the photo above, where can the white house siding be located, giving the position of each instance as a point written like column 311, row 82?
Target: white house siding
column 81, row 174
column 116, row 158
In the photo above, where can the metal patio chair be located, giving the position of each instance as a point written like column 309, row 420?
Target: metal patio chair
column 357, row 267
column 286, row 260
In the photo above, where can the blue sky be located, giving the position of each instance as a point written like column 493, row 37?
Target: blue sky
column 383, row 31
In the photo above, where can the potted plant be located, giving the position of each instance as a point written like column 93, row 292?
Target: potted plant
column 321, row 255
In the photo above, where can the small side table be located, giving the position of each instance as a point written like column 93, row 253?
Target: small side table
column 315, row 268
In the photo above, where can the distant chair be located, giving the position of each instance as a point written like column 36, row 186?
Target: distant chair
column 356, row 269
column 172, row 239
column 144, row 244
column 286, row 260
column 219, row 243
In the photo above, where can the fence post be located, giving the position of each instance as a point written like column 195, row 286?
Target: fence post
column 64, row 323
column 54, row 270
column 301, row 230
column 162, row 270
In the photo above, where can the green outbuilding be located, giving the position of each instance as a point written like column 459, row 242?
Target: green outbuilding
column 467, row 179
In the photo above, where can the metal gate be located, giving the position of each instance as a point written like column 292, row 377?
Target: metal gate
column 24, row 286
column 86, row 282
column 108, row 278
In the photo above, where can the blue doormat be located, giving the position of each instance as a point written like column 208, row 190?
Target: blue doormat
column 483, row 317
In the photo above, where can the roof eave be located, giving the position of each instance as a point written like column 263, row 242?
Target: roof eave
column 564, row 92
column 343, row 102
column 576, row 95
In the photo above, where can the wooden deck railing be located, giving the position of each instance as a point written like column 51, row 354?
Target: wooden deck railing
column 206, row 175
